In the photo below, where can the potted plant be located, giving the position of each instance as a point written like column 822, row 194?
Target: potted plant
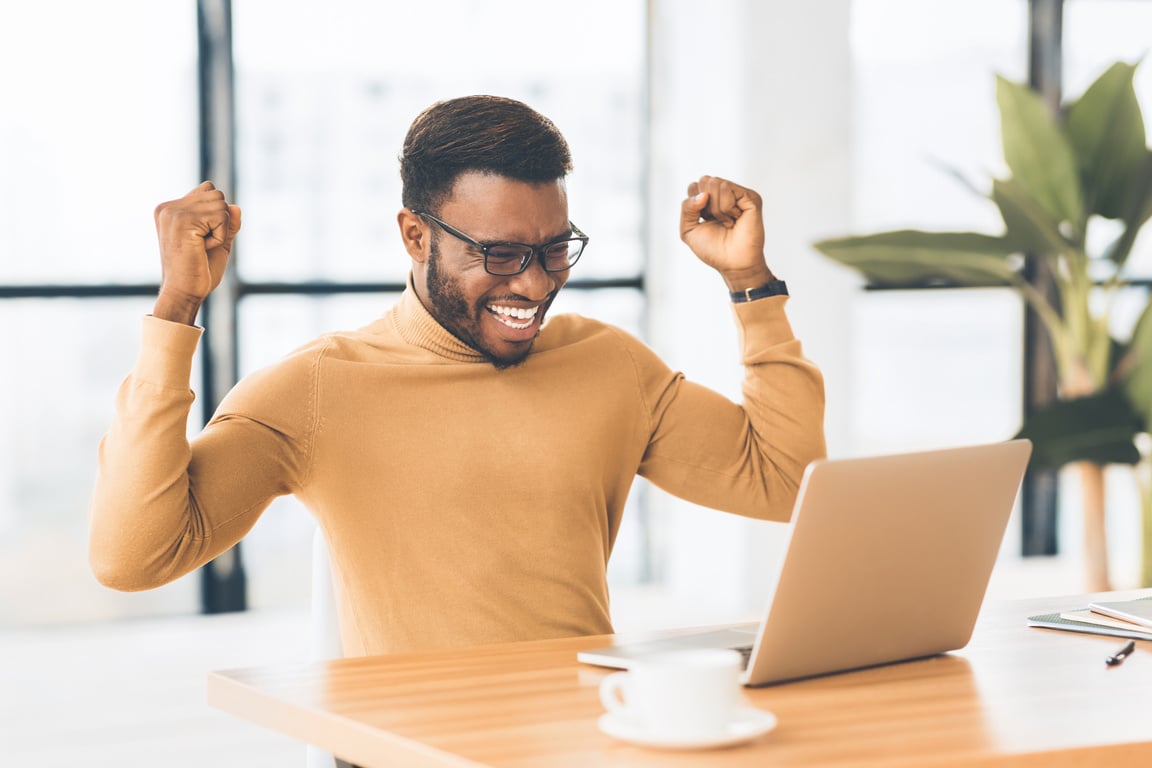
column 1085, row 168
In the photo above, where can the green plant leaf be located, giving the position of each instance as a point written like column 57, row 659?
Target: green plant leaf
column 1100, row 428
column 1106, row 129
column 1029, row 226
column 907, row 258
column 1137, row 211
column 1140, row 193
column 1039, row 154
column 1135, row 367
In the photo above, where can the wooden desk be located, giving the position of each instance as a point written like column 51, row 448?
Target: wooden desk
column 1014, row 696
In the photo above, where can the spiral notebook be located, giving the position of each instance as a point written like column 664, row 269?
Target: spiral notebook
column 1093, row 622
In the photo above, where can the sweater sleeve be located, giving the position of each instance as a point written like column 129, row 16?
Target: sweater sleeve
column 162, row 505
column 745, row 458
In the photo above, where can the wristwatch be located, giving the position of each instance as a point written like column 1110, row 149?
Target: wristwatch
column 772, row 288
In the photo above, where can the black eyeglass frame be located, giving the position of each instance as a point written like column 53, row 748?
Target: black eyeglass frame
column 526, row 259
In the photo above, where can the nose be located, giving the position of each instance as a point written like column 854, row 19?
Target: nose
column 534, row 283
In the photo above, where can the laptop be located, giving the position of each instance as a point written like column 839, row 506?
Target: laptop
column 888, row 559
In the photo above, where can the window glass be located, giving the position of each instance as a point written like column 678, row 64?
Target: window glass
column 99, row 125
column 940, row 367
column 622, row 307
column 936, row 368
column 326, row 92
column 63, row 365
column 272, row 326
column 925, row 105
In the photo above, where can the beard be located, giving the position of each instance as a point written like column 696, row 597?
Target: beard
column 451, row 310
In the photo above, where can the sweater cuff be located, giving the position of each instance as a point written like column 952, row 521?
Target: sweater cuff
column 763, row 323
column 166, row 352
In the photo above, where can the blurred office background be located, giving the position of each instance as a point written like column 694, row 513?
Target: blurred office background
column 840, row 112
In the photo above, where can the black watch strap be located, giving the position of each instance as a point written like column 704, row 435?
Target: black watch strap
column 773, row 288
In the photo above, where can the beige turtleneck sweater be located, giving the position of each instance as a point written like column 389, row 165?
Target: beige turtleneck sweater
column 462, row 504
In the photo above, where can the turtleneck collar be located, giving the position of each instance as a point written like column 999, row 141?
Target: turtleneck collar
column 418, row 327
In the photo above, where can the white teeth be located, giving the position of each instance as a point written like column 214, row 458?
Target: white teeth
column 506, row 314
column 510, row 324
column 518, row 312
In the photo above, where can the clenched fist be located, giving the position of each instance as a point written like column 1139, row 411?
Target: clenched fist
column 195, row 233
column 722, row 222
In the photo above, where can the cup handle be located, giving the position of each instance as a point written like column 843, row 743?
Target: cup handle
column 613, row 693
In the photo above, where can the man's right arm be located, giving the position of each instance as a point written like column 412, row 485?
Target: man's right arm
column 141, row 497
column 162, row 505
column 146, row 527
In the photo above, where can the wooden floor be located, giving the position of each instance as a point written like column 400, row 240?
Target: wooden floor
column 131, row 694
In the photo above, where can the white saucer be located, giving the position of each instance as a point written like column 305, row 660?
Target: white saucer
column 749, row 724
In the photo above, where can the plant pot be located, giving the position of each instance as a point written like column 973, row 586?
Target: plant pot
column 1091, row 476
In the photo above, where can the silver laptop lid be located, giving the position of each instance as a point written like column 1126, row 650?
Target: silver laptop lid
column 888, row 559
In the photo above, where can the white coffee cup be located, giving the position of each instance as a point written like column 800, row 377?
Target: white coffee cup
column 681, row 694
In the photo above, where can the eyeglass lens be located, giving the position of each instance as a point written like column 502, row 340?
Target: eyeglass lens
column 510, row 259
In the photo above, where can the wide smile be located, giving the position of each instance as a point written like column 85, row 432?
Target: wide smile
column 516, row 318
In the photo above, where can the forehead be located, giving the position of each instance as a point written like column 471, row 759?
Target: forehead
column 490, row 207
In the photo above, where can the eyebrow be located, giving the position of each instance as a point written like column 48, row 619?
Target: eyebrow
column 568, row 234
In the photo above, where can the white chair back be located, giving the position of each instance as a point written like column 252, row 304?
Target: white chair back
column 325, row 619
column 325, row 640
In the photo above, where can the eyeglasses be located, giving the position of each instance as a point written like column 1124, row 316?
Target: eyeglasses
column 506, row 259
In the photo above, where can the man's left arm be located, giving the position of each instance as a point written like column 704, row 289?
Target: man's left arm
column 746, row 458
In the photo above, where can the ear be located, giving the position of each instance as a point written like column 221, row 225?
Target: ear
column 415, row 234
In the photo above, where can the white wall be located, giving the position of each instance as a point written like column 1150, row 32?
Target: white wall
column 757, row 92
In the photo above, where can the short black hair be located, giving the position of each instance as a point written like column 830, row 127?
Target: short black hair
column 488, row 134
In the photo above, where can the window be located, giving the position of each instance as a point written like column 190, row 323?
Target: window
column 1096, row 34
column 925, row 106
column 97, row 127
column 319, row 129
column 108, row 128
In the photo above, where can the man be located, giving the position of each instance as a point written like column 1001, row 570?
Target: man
column 468, row 463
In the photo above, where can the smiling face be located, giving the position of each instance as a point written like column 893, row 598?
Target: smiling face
column 498, row 316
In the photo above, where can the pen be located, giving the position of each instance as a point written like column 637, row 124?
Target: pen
column 1121, row 654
